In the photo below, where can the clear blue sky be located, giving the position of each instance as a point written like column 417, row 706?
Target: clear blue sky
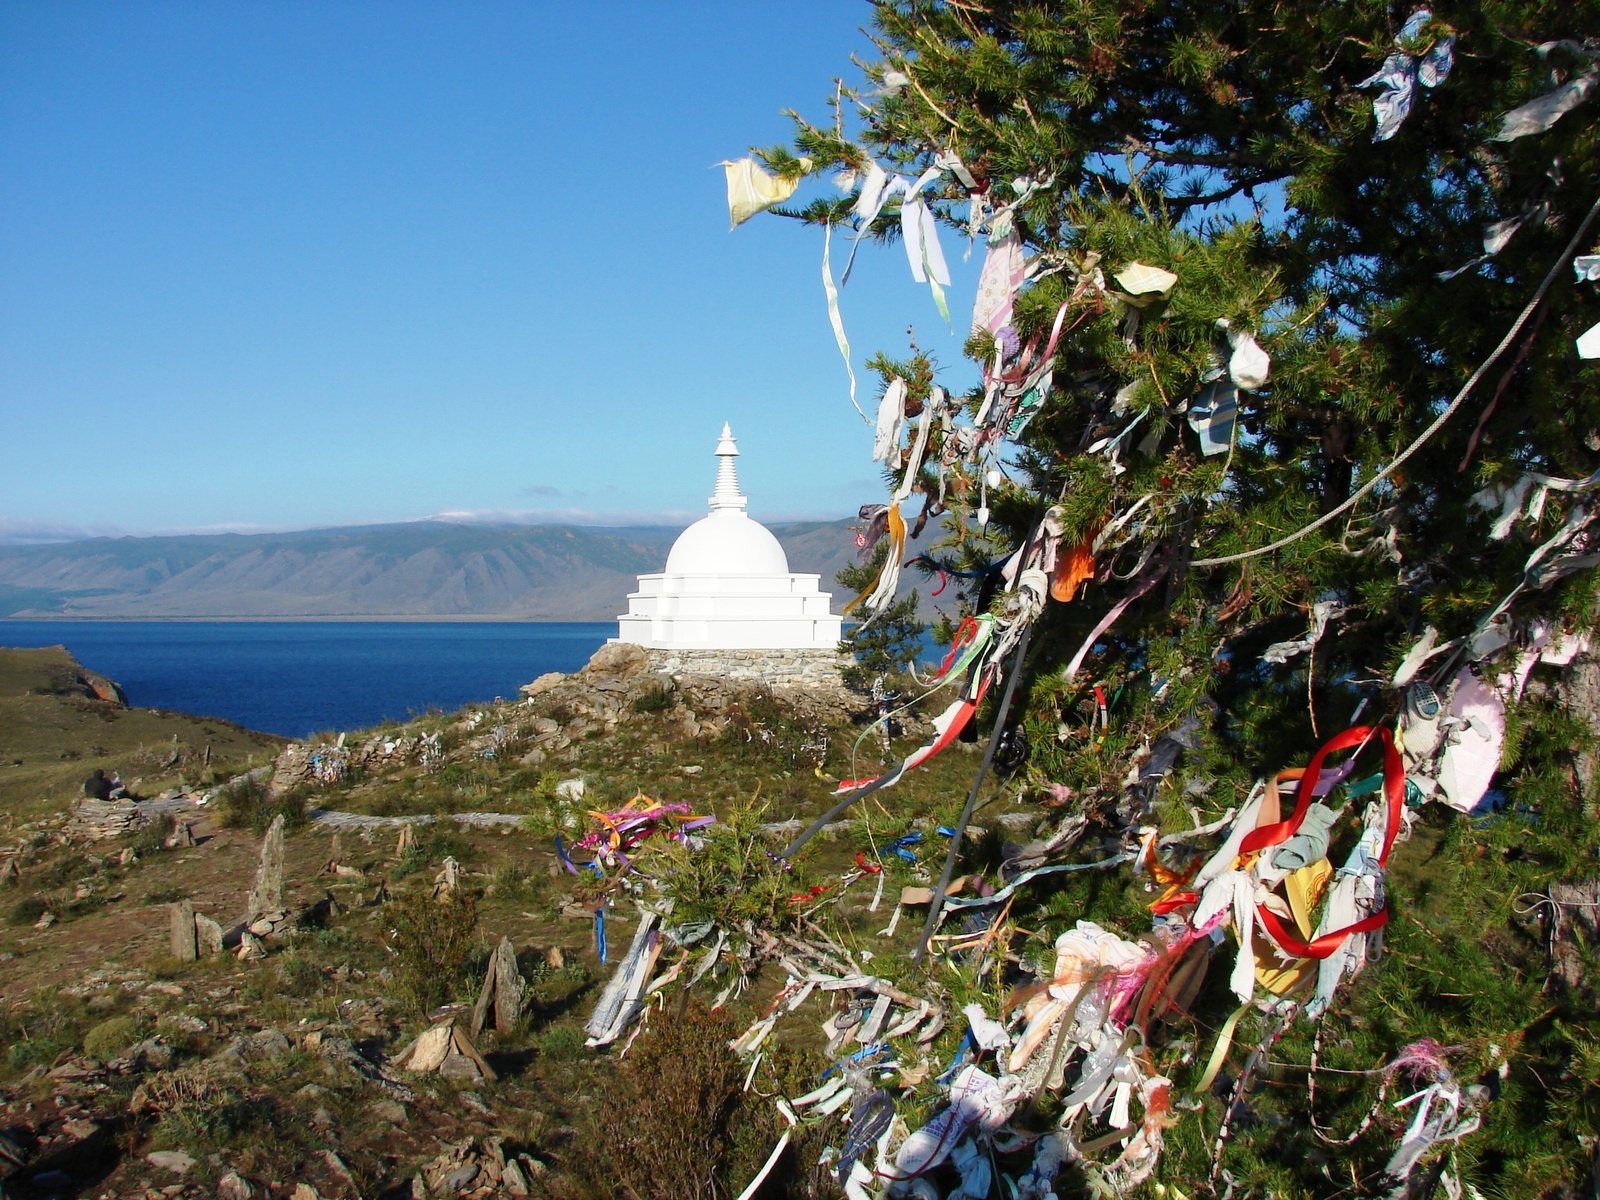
column 294, row 264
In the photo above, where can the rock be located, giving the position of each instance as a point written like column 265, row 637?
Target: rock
column 618, row 660
column 79, row 1129
column 503, row 990
column 150, row 1053
column 460, row 1067
column 461, row 1178
column 570, row 789
column 175, row 1161
column 268, row 1043
column 208, row 935
column 267, row 893
column 44, row 922
column 128, row 857
column 9, row 871
column 407, row 842
column 435, row 1048
column 182, row 837
column 542, row 684
column 304, row 1191
column 554, row 959
column 96, row 820
column 448, row 881
column 234, row 1186
column 185, row 947
column 512, row 1179
column 336, row 1165
column 391, row 1111
column 251, row 947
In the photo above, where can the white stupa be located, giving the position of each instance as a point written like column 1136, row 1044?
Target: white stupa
column 727, row 593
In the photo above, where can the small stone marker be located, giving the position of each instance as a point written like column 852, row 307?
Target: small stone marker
column 185, row 947
column 407, row 842
column 208, row 935
column 267, row 894
column 447, row 1050
column 251, row 948
column 448, row 881
column 503, row 991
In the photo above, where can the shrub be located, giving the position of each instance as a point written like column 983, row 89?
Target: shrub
column 251, row 804
column 656, row 698
column 432, row 940
column 298, row 974
column 763, row 728
column 677, row 1121
column 562, row 1042
column 152, row 835
column 27, row 910
column 729, row 878
column 107, row 1038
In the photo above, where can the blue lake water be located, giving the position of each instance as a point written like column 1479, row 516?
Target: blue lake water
column 294, row 677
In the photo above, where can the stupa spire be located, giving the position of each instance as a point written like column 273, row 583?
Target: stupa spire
column 726, row 496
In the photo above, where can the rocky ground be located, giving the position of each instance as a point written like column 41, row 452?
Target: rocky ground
column 143, row 1062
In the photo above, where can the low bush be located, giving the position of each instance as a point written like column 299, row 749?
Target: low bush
column 432, row 942
column 26, row 911
column 677, row 1121
column 729, row 877
column 656, row 698
column 110, row 1036
column 250, row 804
column 152, row 835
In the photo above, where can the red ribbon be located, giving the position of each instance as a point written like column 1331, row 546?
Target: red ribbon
column 1394, row 787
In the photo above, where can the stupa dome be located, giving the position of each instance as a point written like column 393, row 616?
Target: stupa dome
column 727, row 543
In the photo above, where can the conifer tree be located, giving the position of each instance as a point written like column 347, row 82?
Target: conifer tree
column 887, row 644
column 1319, row 184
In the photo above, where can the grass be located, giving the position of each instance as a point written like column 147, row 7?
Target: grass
column 51, row 735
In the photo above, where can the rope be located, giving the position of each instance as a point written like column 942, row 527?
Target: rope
column 1460, row 398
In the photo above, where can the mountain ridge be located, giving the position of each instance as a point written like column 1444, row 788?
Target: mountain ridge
column 413, row 570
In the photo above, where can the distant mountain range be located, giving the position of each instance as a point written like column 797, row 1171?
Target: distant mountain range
column 420, row 569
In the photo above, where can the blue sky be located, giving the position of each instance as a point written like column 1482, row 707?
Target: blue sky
column 298, row 264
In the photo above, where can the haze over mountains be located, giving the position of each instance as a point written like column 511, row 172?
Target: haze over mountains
column 418, row 569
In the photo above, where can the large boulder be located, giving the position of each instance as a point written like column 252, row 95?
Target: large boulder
column 618, row 660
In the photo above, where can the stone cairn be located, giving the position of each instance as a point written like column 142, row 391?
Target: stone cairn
column 96, row 820
column 193, row 934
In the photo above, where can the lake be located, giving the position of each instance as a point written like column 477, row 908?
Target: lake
column 295, row 677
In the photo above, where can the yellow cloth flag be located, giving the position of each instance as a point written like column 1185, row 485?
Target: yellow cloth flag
column 752, row 190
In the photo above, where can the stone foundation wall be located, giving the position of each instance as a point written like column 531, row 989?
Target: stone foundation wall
column 816, row 668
